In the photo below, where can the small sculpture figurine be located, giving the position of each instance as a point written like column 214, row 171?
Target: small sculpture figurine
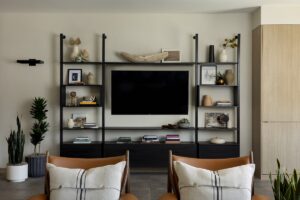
column 73, row 97
column 75, row 52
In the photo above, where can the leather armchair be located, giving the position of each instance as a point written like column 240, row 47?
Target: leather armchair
column 86, row 163
column 209, row 164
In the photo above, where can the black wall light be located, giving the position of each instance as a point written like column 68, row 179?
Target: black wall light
column 31, row 62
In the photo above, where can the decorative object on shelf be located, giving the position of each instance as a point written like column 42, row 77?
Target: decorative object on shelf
column 184, row 123
column 220, row 79
column 75, row 76
column 90, row 78
column 285, row 186
column 207, row 101
column 124, row 140
column 208, row 75
column 79, row 119
column 71, row 123
column 150, row 139
column 30, row 62
column 144, row 58
column 229, row 77
column 223, row 103
column 16, row 171
column 173, row 55
column 73, row 98
column 223, row 55
column 211, row 54
column 230, row 42
column 169, row 126
column 75, row 51
column 37, row 160
column 172, row 139
column 216, row 120
column 88, row 101
column 217, row 140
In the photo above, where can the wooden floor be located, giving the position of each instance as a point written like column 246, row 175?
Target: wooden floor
column 144, row 186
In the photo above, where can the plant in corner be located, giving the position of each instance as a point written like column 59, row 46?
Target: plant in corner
column 17, row 171
column 285, row 186
column 37, row 161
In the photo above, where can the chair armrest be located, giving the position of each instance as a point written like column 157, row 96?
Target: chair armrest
column 128, row 196
column 260, row 197
column 38, row 197
column 168, row 196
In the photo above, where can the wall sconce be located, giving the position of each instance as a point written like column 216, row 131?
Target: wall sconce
column 30, row 62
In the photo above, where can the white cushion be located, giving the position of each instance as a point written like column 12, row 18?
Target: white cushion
column 78, row 184
column 227, row 184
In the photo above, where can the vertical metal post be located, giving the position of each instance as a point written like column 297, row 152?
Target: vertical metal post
column 238, row 90
column 61, row 89
column 197, row 92
column 103, row 94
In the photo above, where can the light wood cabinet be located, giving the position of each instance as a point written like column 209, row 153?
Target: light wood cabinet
column 276, row 97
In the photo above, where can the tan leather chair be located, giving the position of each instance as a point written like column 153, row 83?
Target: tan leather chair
column 86, row 163
column 210, row 164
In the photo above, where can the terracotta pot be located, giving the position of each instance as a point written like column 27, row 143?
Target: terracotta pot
column 207, row 101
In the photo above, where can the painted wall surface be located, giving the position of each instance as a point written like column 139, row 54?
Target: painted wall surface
column 37, row 36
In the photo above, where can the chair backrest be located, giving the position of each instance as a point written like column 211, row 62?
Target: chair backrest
column 209, row 164
column 87, row 163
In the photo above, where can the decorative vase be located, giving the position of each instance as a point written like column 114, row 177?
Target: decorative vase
column 71, row 123
column 211, row 57
column 17, row 173
column 75, row 52
column 229, row 77
column 36, row 165
column 223, row 55
column 90, row 78
column 207, row 100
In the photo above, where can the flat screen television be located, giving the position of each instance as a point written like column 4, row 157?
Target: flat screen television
column 149, row 92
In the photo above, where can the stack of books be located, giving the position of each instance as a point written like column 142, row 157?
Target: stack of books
column 123, row 140
column 90, row 125
column 88, row 101
column 223, row 103
column 172, row 139
column 82, row 140
column 150, row 139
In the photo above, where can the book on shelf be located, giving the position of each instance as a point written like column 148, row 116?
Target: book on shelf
column 90, row 125
column 87, row 103
column 123, row 140
column 223, row 103
column 150, row 139
column 172, row 139
column 172, row 142
column 82, row 140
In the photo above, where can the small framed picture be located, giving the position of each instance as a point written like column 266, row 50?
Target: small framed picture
column 74, row 76
column 208, row 75
column 173, row 55
column 216, row 120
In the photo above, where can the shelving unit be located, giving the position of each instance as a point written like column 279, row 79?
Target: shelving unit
column 150, row 155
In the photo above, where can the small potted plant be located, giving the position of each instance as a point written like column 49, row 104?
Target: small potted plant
column 220, row 79
column 227, row 43
column 16, row 171
column 285, row 186
column 37, row 161
column 183, row 123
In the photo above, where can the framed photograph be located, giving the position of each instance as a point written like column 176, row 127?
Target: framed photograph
column 79, row 119
column 216, row 120
column 173, row 55
column 74, row 76
column 208, row 75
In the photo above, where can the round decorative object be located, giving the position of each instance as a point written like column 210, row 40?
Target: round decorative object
column 90, row 78
column 223, row 119
column 229, row 77
column 220, row 82
column 71, row 123
column 217, row 140
column 17, row 173
column 223, row 55
column 207, row 100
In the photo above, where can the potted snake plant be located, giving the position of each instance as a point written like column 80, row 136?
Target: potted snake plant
column 16, row 171
column 37, row 160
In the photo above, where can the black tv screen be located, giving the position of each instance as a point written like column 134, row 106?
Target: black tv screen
column 149, row 92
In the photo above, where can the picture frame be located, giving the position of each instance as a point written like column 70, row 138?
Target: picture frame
column 174, row 55
column 216, row 120
column 208, row 75
column 74, row 76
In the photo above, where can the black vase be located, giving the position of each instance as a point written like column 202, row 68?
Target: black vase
column 211, row 54
column 36, row 165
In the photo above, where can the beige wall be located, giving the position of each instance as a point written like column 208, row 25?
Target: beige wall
column 36, row 36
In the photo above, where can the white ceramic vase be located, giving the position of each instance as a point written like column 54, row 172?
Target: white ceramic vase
column 90, row 79
column 71, row 123
column 75, row 52
column 17, row 173
column 223, row 55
